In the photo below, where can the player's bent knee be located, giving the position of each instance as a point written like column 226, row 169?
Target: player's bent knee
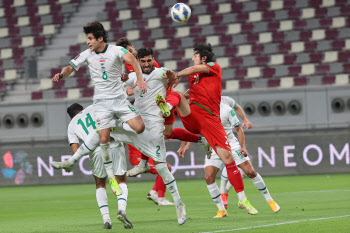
column 251, row 173
column 209, row 178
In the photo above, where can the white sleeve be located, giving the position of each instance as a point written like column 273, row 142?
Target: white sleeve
column 131, row 81
column 232, row 117
column 121, row 51
column 229, row 101
column 72, row 137
column 79, row 60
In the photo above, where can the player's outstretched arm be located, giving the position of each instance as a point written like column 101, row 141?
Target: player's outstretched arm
column 64, row 73
column 240, row 112
column 192, row 70
column 129, row 58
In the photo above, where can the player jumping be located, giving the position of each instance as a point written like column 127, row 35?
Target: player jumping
column 105, row 65
column 202, row 115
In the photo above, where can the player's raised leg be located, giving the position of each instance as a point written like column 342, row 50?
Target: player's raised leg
column 259, row 183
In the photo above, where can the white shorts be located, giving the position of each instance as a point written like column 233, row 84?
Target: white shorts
column 118, row 160
column 106, row 110
column 217, row 162
column 150, row 142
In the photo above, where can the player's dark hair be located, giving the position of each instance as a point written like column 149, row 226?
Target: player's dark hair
column 123, row 42
column 97, row 29
column 74, row 109
column 143, row 52
column 204, row 49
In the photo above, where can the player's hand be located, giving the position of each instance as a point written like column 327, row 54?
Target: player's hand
column 125, row 77
column 244, row 152
column 247, row 124
column 57, row 77
column 169, row 74
column 183, row 148
column 129, row 91
column 181, row 152
column 142, row 86
column 173, row 82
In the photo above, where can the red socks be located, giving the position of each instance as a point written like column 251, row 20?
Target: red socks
column 183, row 135
column 234, row 176
column 174, row 99
column 161, row 186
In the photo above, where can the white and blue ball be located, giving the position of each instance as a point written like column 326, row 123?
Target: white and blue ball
column 180, row 12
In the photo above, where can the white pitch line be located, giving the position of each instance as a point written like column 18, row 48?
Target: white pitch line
column 277, row 224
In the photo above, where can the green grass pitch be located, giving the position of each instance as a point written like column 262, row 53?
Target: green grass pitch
column 308, row 204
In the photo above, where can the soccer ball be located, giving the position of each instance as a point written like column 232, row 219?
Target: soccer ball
column 180, row 13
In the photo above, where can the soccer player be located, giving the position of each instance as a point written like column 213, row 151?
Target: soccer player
column 230, row 120
column 105, row 65
column 151, row 141
column 82, row 124
column 202, row 115
column 169, row 131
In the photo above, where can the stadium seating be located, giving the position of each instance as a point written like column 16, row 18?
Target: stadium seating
column 26, row 26
column 273, row 44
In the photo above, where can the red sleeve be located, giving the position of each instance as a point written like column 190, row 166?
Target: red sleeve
column 155, row 64
column 214, row 68
column 129, row 67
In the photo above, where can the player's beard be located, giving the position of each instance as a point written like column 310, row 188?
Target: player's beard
column 150, row 70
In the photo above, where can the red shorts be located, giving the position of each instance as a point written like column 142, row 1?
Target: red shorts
column 135, row 158
column 202, row 122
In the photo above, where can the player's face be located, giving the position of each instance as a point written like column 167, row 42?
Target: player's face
column 95, row 45
column 146, row 64
column 132, row 50
column 197, row 59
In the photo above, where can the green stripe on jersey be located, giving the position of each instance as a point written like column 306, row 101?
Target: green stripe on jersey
column 204, row 108
column 210, row 63
column 72, row 65
column 124, row 50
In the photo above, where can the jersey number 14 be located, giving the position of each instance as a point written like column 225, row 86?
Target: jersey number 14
column 89, row 122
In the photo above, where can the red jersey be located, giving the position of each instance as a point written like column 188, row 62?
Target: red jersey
column 131, row 69
column 206, row 88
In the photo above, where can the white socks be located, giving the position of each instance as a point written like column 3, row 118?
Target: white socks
column 216, row 195
column 260, row 184
column 257, row 181
column 169, row 181
column 224, row 181
column 106, row 160
column 89, row 145
column 102, row 201
column 170, row 106
column 123, row 199
column 126, row 126
column 143, row 163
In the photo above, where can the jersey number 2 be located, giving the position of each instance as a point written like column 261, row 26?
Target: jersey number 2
column 89, row 122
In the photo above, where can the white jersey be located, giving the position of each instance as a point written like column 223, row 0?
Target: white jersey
column 229, row 101
column 105, row 70
column 82, row 125
column 146, row 103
